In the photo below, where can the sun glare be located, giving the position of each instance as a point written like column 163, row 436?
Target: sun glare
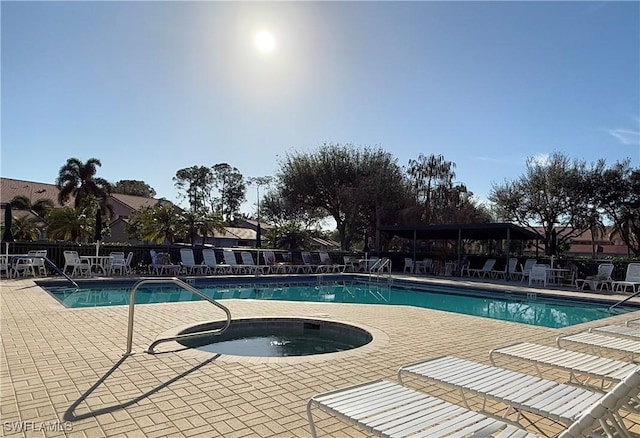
column 264, row 41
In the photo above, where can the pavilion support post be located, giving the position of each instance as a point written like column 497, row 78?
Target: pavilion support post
column 415, row 238
column 459, row 265
column 508, row 274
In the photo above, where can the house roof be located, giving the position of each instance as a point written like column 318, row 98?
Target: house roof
column 137, row 202
column 242, row 233
column 467, row 231
column 21, row 214
column 10, row 188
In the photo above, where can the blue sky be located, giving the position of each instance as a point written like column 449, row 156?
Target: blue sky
column 153, row 87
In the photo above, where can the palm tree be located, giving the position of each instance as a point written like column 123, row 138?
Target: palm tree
column 159, row 224
column 71, row 224
column 41, row 207
column 25, row 228
column 78, row 179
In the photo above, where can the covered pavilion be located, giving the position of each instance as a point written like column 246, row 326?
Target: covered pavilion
column 458, row 232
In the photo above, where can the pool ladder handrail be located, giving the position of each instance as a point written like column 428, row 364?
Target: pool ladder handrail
column 633, row 295
column 54, row 267
column 182, row 284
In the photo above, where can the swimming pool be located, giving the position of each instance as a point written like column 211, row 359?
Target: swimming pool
column 515, row 307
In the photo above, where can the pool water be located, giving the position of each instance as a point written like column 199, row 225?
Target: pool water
column 520, row 308
column 278, row 337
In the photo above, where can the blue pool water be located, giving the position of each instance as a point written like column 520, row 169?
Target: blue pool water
column 514, row 307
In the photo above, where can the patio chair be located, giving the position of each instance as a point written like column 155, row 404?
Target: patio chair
column 578, row 364
column 23, row 266
column 559, row 402
column 597, row 343
column 188, row 262
column 211, row 262
column 510, row 268
column 538, row 273
column 601, row 279
column 38, row 261
column 618, row 331
column 631, row 279
column 485, row 270
column 327, row 265
column 388, row 409
column 118, row 263
column 408, row 265
column 4, row 266
column 72, row 260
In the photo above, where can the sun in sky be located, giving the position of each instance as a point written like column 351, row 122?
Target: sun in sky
column 264, row 41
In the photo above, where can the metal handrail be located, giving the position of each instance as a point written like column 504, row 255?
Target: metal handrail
column 53, row 266
column 182, row 284
column 635, row 294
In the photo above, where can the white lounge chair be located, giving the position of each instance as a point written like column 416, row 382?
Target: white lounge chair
column 509, row 268
column 309, row 265
column 188, row 262
column 250, row 266
column 408, row 265
column 161, row 264
column 556, row 401
column 597, row 343
column 601, row 280
column 327, row 265
column 4, row 265
column 578, row 364
column 391, row 410
column 231, row 262
column 617, row 331
column 525, row 269
column 485, row 270
column 538, row 273
column 631, row 279
column 211, row 262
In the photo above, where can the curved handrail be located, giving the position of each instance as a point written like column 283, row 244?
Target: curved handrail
column 182, row 284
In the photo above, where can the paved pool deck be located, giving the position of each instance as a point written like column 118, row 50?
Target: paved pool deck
column 62, row 372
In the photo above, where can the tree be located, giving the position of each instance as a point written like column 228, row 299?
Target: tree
column 552, row 195
column 158, row 224
column 276, row 209
column 133, row 187
column 70, row 224
column 617, row 192
column 25, row 228
column 197, row 183
column 79, row 180
column 432, row 181
column 41, row 207
column 290, row 236
column 345, row 182
column 232, row 190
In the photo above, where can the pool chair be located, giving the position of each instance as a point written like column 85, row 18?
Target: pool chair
column 631, row 280
column 510, row 268
column 582, row 368
column 598, row 343
column 250, row 266
column 309, row 266
column 525, row 269
column 387, row 409
column 211, row 263
column 327, row 265
column 161, row 264
column 391, row 410
column 619, row 331
column 485, row 270
column 231, row 262
column 188, row 262
column 601, row 280
column 520, row 392
column 38, row 261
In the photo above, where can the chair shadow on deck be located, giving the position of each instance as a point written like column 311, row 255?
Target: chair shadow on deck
column 70, row 416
